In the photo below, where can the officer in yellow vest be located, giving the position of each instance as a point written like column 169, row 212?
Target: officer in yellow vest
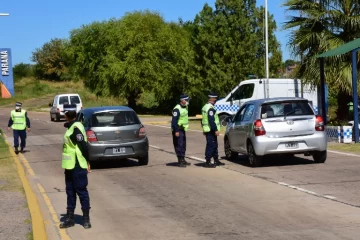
column 20, row 123
column 179, row 126
column 211, row 128
column 75, row 162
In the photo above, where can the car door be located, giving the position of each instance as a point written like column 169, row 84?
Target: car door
column 54, row 105
column 235, row 128
column 245, row 126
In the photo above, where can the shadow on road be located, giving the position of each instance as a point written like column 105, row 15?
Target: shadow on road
column 77, row 218
column 273, row 161
column 118, row 163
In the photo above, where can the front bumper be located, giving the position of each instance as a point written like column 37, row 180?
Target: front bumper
column 104, row 150
column 264, row 145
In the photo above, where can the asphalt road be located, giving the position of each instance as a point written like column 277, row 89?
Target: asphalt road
column 285, row 199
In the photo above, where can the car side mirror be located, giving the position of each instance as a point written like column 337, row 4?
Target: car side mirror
column 50, row 104
column 226, row 121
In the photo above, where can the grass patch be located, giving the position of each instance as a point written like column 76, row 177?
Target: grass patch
column 345, row 147
column 8, row 172
column 30, row 236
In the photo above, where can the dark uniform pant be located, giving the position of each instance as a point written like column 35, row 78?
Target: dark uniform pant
column 76, row 183
column 22, row 135
column 211, row 146
column 180, row 143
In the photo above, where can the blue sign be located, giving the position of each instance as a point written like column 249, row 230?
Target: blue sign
column 6, row 74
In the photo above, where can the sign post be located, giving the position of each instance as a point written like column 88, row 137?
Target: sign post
column 6, row 73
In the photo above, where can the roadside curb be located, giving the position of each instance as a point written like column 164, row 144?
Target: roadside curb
column 37, row 220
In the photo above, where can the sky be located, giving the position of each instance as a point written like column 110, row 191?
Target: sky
column 33, row 23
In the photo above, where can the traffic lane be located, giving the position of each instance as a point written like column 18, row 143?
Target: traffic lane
column 193, row 203
column 338, row 178
column 161, row 201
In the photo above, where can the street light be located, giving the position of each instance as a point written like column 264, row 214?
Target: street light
column 4, row 14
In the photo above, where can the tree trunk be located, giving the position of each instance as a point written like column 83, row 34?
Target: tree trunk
column 343, row 98
column 131, row 99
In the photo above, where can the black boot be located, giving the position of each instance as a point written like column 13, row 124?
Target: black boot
column 208, row 164
column 86, row 218
column 185, row 162
column 21, row 150
column 217, row 162
column 16, row 150
column 69, row 221
column 181, row 162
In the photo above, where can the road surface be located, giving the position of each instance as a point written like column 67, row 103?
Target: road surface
column 285, row 199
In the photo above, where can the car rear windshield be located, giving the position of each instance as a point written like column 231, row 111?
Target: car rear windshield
column 74, row 100
column 289, row 108
column 114, row 118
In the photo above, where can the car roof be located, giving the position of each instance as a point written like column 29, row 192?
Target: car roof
column 92, row 110
column 68, row 94
column 277, row 99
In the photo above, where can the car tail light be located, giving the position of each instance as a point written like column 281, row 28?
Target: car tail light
column 91, row 136
column 142, row 132
column 259, row 129
column 58, row 110
column 319, row 124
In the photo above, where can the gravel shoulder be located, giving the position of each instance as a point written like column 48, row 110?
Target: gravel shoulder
column 15, row 221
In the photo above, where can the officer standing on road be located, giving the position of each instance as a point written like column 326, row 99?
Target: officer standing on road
column 179, row 126
column 20, row 123
column 76, row 164
column 211, row 128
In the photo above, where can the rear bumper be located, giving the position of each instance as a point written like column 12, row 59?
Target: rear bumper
column 103, row 151
column 264, row 145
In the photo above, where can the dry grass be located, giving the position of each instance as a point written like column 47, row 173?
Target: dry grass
column 9, row 179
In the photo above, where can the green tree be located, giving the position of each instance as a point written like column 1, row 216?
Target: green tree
column 22, row 70
column 229, row 43
column 147, row 54
column 318, row 26
column 50, row 60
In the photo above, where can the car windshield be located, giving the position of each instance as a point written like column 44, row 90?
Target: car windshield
column 114, row 118
column 282, row 109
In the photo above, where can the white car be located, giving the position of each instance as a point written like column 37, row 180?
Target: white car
column 57, row 106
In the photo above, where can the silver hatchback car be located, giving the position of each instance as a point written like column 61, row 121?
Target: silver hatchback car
column 115, row 132
column 275, row 126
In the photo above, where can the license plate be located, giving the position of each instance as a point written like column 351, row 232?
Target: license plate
column 292, row 145
column 119, row 150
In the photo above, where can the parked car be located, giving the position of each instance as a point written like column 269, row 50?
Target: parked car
column 57, row 106
column 275, row 126
column 115, row 133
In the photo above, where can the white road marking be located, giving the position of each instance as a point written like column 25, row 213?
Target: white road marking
column 154, row 146
column 343, row 153
column 196, row 158
column 155, row 125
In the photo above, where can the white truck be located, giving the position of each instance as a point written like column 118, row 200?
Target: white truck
column 259, row 88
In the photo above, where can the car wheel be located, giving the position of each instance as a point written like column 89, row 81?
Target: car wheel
column 144, row 160
column 320, row 157
column 230, row 155
column 58, row 117
column 254, row 160
column 51, row 119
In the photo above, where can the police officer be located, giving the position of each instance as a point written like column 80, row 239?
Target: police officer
column 75, row 162
column 20, row 123
column 179, row 126
column 211, row 128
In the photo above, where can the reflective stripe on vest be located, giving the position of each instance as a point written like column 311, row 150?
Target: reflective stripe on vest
column 183, row 120
column 205, row 119
column 19, row 120
column 72, row 152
